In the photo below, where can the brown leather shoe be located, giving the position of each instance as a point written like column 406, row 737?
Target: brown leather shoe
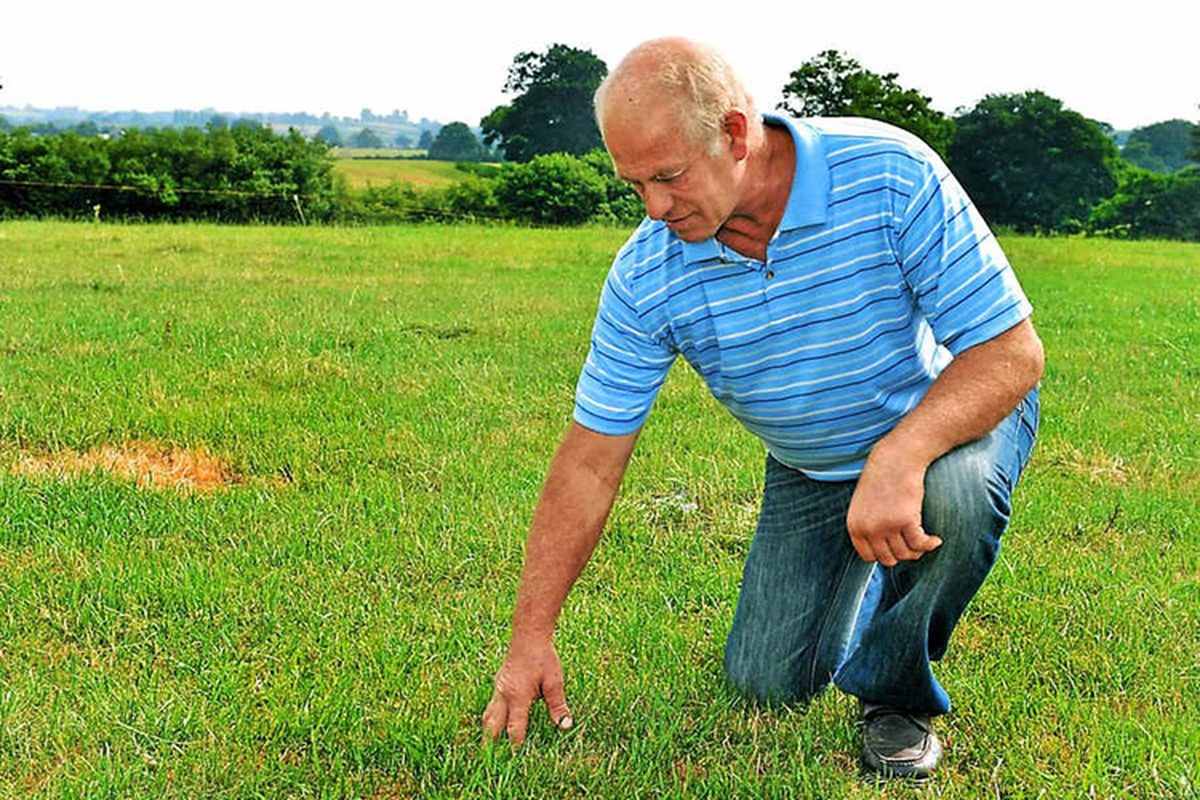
column 898, row 743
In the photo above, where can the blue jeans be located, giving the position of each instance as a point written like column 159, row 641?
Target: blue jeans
column 812, row 612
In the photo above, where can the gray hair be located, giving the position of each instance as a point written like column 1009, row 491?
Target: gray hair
column 702, row 84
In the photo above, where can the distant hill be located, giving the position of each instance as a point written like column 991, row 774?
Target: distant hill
column 391, row 130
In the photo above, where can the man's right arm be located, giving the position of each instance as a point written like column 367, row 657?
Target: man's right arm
column 578, row 494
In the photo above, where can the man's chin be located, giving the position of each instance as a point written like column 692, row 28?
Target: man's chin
column 689, row 231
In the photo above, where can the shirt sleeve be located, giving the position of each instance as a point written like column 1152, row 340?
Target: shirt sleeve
column 625, row 368
column 961, row 279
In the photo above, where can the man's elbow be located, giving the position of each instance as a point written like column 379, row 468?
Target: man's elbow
column 1030, row 358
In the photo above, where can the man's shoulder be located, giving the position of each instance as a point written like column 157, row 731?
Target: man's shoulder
column 865, row 135
column 863, row 128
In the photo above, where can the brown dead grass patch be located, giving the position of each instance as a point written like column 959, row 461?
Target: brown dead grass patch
column 1096, row 467
column 149, row 464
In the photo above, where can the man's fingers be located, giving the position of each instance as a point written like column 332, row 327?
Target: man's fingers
column 884, row 554
column 899, row 547
column 520, row 683
column 556, row 703
column 863, row 547
column 495, row 717
column 518, row 721
column 907, row 544
column 918, row 542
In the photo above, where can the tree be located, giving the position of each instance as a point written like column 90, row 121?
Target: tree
column 456, row 142
column 330, row 135
column 832, row 85
column 1195, row 154
column 1030, row 163
column 1161, row 147
column 366, row 139
column 552, row 112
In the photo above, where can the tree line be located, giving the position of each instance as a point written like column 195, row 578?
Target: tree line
column 1031, row 164
column 226, row 173
column 246, row 173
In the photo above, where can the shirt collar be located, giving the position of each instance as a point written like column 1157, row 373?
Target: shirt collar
column 808, row 200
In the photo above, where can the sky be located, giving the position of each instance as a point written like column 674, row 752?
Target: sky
column 1127, row 65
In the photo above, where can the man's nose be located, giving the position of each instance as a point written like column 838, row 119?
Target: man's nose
column 657, row 200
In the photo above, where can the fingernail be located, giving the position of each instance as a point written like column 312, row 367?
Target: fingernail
column 565, row 723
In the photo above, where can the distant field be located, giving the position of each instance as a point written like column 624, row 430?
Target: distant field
column 361, row 172
column 264, row 492
column 376, row 152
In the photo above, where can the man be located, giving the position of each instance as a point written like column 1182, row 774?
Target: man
column 840, row 296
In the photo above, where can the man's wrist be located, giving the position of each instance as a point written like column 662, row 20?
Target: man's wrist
column 900, row 452
column 531, row 637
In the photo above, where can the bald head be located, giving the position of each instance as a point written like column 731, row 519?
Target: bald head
column 690, row 78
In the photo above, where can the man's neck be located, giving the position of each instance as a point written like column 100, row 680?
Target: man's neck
column 768, row 181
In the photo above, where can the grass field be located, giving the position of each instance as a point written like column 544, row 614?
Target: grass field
column 389, row 153
column 363, row 172
column 365, row 416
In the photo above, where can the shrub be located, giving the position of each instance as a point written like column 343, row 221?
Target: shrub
column 621, row 203
column 552, row 189
column 471, row 198
column 1149, row 205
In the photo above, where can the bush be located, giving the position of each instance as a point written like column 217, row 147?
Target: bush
column 247, row 173
column 552, row 189
column 392, row 203
column 238, row 173
column 621, row 202
column 472, row 198
column 1149, row 205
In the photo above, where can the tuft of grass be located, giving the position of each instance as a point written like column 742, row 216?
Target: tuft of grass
column 328, row 625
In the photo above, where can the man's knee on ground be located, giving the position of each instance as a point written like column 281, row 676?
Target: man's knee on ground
column 770, row 685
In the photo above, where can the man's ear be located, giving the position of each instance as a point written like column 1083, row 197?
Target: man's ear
column 737, row 128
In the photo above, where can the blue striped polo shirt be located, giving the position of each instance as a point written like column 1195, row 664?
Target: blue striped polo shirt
column 881, row 270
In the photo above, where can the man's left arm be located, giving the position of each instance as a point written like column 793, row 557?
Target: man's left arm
column 973, row 394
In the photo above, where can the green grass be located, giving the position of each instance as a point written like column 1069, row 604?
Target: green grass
column 329, row 625
column 362, row 172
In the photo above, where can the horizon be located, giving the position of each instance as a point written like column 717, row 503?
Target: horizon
column 385, row 116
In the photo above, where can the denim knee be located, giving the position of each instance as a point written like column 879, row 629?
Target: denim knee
column 793, row 662
column 967, row 498
column 970, row 488
column 771, row 684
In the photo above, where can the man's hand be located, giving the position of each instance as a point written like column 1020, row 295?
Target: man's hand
column 579, row 492
column 978, row 389
column 526, row 676
column 884, row 520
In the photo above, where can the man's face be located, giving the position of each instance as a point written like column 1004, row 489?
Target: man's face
column 679, row 180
